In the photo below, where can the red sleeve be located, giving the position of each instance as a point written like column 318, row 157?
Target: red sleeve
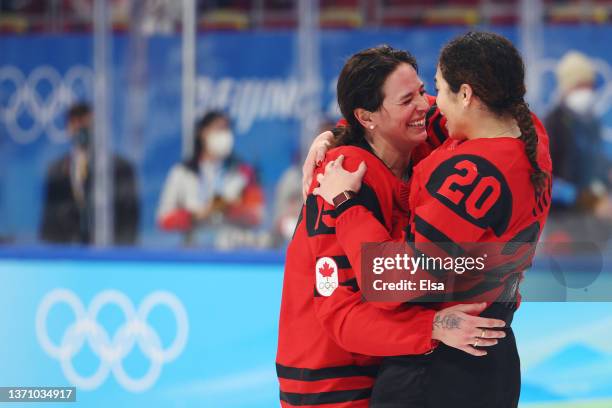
column 356, row 225
column 360, row 327
column 357, row 222
column 375, row 195
column 363, row 327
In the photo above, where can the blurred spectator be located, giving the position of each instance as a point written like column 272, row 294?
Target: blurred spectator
column 287, row 203
column 212, row 189
column 161, row 16
column 581, row 188
column 69, row 206
column 288, row 198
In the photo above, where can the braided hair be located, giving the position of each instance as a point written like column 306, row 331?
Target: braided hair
column 494, row 69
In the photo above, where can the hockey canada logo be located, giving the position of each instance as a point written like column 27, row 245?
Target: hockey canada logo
column 327, row 276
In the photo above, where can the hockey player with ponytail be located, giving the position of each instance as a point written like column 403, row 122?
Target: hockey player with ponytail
column 489, row 182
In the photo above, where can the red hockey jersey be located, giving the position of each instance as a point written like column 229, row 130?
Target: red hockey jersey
column 330, row 340
column 472, row 191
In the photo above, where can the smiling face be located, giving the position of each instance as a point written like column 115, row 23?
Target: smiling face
column 401, row 118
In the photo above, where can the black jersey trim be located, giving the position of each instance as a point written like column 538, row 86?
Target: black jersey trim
column 437, row 237
column 330, row 397
column 317, row 374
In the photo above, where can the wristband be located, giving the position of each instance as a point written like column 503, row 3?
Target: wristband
column 343, row 197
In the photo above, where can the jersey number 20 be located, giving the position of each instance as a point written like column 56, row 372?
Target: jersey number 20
column 476, row 204
column 474, row 189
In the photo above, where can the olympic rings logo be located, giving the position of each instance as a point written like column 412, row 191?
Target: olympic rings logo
column 111, row 352
column 36, row 104
column 327, row 285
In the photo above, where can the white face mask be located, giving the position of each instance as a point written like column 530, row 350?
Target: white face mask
column 581, row 100
column 219, row 143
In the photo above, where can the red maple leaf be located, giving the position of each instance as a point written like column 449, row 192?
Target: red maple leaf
column 326, row 270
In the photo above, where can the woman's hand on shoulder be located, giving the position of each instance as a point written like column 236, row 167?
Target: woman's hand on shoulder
column 315, row 156
column 336, row 180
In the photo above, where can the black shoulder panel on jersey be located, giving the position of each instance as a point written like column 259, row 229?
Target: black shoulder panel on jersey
column 342, row 261
column 367, row 198
column 437, row 237
column 314, row 218
column 474, row 189
column 351, row 283
column 314, row 215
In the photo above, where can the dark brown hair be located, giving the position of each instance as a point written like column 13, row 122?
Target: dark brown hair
column 78, row 111
column 493, row 67
column 360, row 85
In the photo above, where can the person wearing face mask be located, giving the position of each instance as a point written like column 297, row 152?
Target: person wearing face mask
column 212, row 188
column 68, row 197
column 581, row 171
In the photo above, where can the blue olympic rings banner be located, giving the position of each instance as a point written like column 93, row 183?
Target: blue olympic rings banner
column 200, row 331
column 156, row 334
column 253, row 76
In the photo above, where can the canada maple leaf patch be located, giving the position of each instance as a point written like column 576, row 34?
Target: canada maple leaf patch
column 326, row 276
column 326, row 270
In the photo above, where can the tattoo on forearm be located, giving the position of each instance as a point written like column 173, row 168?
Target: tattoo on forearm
column 449, row 321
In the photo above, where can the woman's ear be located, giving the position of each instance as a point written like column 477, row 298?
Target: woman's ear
column 364, row 117
column 465, row 94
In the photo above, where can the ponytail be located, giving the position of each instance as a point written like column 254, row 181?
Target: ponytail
column 348, row 134
column 522, row 114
